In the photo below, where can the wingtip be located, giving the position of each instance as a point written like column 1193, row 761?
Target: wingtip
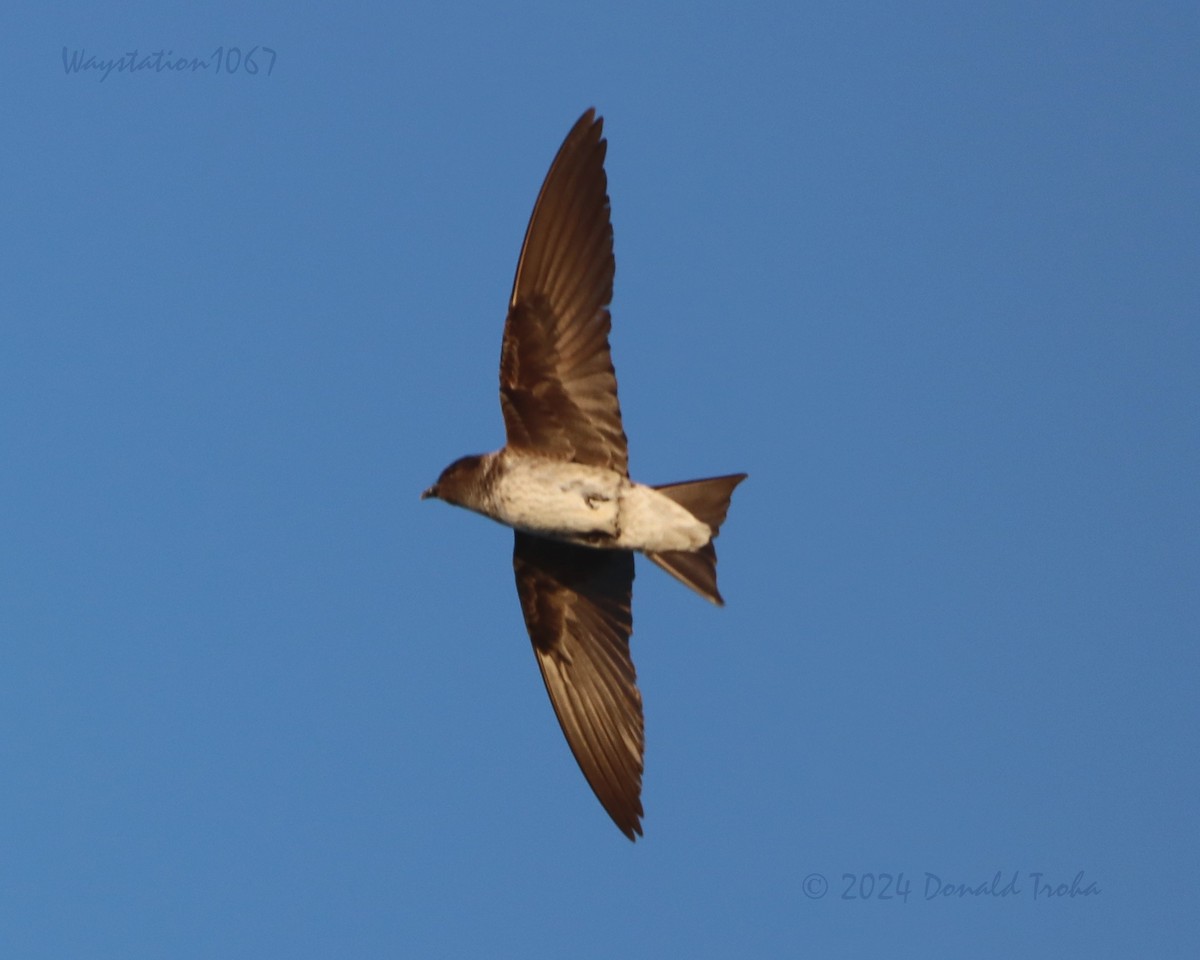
column 589, row 120
column 631, row 828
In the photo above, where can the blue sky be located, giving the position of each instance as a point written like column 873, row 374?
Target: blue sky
column 927, row 272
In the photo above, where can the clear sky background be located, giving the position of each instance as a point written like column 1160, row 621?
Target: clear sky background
column 928, row 272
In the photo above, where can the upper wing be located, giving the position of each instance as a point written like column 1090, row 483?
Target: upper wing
column 558, row 390
column 576, row 604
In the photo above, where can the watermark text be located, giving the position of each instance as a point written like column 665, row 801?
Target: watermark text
column 255, row 61
column 916, row 887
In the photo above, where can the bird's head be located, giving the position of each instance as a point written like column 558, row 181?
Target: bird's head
column 460, row 483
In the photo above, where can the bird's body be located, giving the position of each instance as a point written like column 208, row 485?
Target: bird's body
column 583, row 504
column 562, row 480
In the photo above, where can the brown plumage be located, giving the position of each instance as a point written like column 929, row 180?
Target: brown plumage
column 558, row 394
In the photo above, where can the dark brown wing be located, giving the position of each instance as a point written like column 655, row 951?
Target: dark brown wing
column 576, row 605
column 558, row 390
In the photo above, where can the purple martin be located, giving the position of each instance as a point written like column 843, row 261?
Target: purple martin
column 562, row 480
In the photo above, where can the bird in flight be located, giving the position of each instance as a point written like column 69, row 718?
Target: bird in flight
column 562, row 480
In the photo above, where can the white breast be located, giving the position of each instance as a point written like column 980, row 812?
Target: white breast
column 591, row 506
column 557, row 499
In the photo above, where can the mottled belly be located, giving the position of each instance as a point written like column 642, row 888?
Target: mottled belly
column 562, row 500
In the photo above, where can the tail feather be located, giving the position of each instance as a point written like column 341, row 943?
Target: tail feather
column 708, row 501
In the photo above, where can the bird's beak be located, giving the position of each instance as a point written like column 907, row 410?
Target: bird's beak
column 431, row 492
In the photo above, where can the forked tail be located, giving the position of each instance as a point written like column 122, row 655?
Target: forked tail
column 708, row 501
